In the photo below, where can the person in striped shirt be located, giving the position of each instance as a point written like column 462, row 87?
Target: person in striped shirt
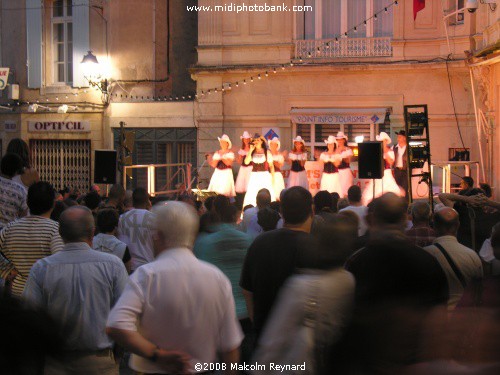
column 12, row 195
column 25, row 241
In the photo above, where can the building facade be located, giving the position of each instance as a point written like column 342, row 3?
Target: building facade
column 144, row 50
column 352, row 66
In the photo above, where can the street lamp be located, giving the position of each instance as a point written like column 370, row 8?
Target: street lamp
column 92, row 71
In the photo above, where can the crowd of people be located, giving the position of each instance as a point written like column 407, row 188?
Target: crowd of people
column 298, row 284
column 261, row 162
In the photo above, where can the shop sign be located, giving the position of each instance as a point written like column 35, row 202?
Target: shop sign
column 10, row 126
column 337, row 118
column 4, row 76
column 59, row 126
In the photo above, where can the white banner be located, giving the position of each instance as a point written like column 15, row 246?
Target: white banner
column 59, row 126
column 338, row 115
column 4, row 77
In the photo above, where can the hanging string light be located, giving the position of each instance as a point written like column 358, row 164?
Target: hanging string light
column 308, row 53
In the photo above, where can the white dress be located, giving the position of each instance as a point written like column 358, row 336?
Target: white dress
column 278, row 181
column 387, row 184
column 222, row 181
column 260, row 178
column 243, row 174
column 345, row 173
column 330, row 180
column 299, row 176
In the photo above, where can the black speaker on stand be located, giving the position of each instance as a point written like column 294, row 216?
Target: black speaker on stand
column 371, row 161
column 105, row 167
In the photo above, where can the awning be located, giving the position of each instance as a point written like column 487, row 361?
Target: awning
column 338, row 115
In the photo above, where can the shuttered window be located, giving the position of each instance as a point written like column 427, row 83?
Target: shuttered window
column 161, row 146
column 34, row 42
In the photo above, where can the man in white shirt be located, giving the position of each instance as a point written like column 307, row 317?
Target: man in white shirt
column 460, row 264
column 355, row 205
column 400, row 164
column 176, row 307
column 135, row 229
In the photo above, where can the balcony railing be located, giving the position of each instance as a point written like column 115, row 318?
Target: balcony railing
column 344, row 48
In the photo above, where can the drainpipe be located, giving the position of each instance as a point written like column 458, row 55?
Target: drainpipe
column 477, row 123
column 154, row 46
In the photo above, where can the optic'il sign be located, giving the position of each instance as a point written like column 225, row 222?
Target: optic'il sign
column 59, row 126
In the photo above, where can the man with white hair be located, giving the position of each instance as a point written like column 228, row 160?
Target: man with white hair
column 176, row 303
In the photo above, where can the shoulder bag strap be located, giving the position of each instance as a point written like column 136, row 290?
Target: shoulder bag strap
column 454, row 267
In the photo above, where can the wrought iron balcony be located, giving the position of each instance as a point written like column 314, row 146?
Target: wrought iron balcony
column 343, row 48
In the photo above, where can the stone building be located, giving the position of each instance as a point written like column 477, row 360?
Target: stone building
column 144, row 49
column 383, row 63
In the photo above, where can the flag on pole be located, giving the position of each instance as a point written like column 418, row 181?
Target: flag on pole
column 418, row 5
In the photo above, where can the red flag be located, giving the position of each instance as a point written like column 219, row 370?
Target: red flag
column 418, row 5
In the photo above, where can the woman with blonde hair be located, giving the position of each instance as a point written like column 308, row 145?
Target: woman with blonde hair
column 279, row 161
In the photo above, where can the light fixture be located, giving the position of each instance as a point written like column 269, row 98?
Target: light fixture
column 92, row 71
column 359, row 139
column 32, row 108
column 64, row 108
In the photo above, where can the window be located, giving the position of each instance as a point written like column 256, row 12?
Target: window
column 456, row 19
column 62, row 41
column 160, row 146
column 314, row 135
column 338, row 16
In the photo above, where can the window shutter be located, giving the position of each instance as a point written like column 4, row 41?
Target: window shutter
column 81, row 40
column 34, row 42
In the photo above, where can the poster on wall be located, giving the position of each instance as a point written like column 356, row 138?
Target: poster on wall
column 4, row 77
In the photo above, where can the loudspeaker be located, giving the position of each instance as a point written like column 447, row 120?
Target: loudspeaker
column 370, row 160
column 105, row 167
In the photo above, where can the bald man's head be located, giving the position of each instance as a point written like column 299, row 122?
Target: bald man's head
column 421, row 212
column 446, row 222
column 263, row 198
column 389, row 210
column 76, row 224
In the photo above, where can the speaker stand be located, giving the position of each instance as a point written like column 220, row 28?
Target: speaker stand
column 373, row 183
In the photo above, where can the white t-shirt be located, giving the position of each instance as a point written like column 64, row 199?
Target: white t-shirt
column 361, row 211
column 135, row 229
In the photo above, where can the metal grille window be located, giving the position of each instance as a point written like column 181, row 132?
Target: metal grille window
column 160, row 146
column 63, row 162
column 62, row 41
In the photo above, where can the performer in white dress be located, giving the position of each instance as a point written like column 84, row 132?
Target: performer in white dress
column 262, row 172
column 298, row 158
column 345, row 173
column 245, row 169
column 278, row 160
column 387, row 183
column 331, row 159
column 222, row 181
